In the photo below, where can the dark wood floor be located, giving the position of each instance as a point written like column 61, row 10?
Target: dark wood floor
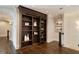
column 46, row 48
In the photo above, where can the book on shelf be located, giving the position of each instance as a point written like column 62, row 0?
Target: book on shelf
column 35, row 33
column 26, row 23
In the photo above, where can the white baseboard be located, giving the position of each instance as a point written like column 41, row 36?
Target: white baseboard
column 48, row 41
column 73, row 48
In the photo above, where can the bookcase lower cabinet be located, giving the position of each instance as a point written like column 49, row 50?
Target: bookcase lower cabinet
column 33, row 26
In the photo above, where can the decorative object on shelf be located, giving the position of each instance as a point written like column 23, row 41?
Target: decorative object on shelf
column 42, row 28
column 26, row 37
column 31, row 24
column 35, row 23
column 35, row 33
column 42, row 36
column 26, row 23
column 59, row 20
column 42, row 21
column 59, row 24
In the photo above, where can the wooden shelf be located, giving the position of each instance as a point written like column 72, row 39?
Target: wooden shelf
column 42, row 37
column 25, row 41
column 35, row 30
column 29, row 19
column 27, row 30
column 26, row 25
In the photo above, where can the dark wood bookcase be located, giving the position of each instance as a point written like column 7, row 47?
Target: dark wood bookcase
column 33, row 26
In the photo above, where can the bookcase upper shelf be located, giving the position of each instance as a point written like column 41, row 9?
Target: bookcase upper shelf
column 33, row 26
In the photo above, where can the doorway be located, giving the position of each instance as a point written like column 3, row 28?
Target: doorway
column 5, row 34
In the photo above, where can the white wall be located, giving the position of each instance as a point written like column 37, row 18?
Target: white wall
column 71, row 29
column 4, row 26
column 52, row 35
column 12, row 13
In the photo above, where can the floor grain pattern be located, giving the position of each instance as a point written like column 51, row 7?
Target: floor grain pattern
column 46, row 48
column 6, row 46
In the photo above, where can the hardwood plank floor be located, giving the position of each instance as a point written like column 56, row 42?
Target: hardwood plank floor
column 6, row 46
column 46, row 48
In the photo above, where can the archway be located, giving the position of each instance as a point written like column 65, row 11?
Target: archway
column 5, row 33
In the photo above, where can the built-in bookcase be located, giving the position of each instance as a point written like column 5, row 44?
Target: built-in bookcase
column 35, row 29
column 33, row 26
column 42, row 30
column 26, row 30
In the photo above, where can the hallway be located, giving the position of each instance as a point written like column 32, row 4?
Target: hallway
column 47, row 48
column 6, row 47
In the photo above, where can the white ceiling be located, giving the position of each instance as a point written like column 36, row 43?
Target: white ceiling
column 44, row 8
column 53, row 9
